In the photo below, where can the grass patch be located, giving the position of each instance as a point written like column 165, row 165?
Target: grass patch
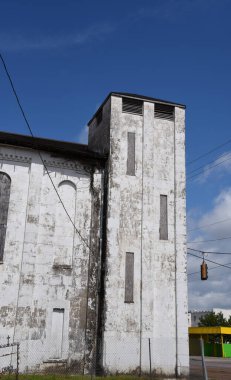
column 68, row 377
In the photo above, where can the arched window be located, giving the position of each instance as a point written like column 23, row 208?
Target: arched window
column 64, row 230
column 5, row 183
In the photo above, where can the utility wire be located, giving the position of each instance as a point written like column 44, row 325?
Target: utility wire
column 210, row 162
column 208, row 168
column 206, row 241
column 217, row 266
column 211, row 261
column 208, row 225
column 39, row 153
column 56, row 191
column 209, row 152
column 210, row 252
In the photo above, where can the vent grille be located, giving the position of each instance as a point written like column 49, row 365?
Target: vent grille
column 163, row 111
column 133, row 106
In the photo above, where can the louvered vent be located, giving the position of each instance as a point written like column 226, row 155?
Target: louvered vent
column 163, row 111
column 133, row 106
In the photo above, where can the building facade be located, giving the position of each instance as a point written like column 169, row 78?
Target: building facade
column 194, row 316
column 95, row 276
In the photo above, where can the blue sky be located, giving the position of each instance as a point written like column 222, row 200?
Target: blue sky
column 66, row 56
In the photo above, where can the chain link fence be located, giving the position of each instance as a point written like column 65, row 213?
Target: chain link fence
column 9, row 359
column 31, row 360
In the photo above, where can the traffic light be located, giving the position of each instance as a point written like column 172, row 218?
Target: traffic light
column 204, row 270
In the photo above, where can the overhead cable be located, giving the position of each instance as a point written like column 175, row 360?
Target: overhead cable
column 210, row 252
column 208, row 225
column 208, row 168
column 210, row 162
column 209, row 152
column 210, row 268
column 210, row 240
column 211, row 261
column 39, row 153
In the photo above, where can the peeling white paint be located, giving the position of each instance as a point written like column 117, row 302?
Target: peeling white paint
column 46, row 264
column 159, row 311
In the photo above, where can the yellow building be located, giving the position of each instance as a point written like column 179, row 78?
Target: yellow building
column 217, row 341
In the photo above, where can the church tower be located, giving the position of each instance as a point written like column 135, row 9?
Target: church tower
column 142, row 306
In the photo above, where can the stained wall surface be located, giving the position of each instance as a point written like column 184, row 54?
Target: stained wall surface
column 45, row 271
column 115, row 287
column 156, row 319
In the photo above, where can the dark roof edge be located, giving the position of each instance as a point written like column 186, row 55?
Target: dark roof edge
column 135, row 96
column 64, row 148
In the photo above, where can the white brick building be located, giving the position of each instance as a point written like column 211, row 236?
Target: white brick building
column 194, row 316
column 115, row 285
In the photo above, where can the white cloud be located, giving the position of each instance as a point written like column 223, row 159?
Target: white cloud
column 220, row 212
column 22, row 42
column 215, row 292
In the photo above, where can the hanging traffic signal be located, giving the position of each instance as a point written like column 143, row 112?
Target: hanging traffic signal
column 204, row 270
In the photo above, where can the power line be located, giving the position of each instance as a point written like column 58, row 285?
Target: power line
column 56, row 191
column 30, row 130
column 210, row 252
column 208, row 163
column 206, row 241
column 211, row 261
column 39, row 153
column 207, row 225
column 217, row 266
column 210, row 167
column 209, row 152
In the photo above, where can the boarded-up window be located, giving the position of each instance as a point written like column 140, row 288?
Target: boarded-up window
column 64, row 230
column 163, row 217
column 5, row 183
column 129, row 277
column 56, row 334
column 131, row 153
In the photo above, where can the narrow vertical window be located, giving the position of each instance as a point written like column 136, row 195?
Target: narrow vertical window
column 131, row 153
column 5, row 183
column 129, row 277
column 163, row 217
column 57, row 333
column 64, row 231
